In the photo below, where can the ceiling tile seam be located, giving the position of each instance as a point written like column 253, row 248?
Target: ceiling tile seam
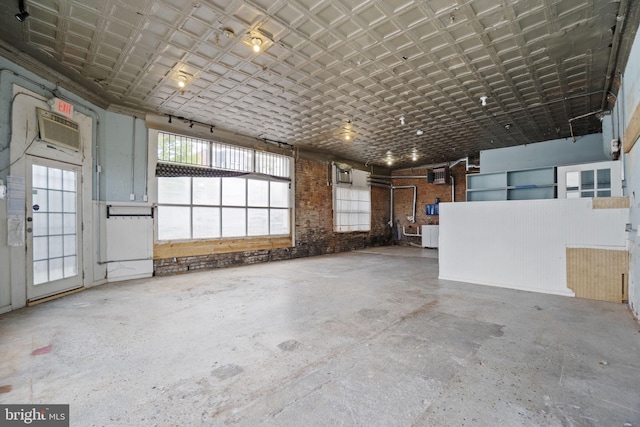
column 471, row 67
column 444, row 94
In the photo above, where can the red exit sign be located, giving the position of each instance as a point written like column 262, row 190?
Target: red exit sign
column 62, row 107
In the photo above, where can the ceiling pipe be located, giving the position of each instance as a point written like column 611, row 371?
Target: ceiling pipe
column 615, row 50
column 415, row 197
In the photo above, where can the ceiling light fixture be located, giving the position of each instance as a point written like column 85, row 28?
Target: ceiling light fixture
column 182, row 80
column 228, row 33
column 483, row 100
column 256, row 42
column 402, row 120
column 23, row 15
column 419, row 132
column 347, row 137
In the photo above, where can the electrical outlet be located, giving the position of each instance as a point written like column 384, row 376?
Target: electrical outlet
column 132, row 196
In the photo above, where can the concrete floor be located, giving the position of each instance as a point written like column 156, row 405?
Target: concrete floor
column 367, row 338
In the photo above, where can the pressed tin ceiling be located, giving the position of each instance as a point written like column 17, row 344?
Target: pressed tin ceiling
column 329, row 70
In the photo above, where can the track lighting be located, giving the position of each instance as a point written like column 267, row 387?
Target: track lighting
column 23, row 15
column 256, row 42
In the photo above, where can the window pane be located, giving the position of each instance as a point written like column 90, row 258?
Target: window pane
column 70, row 224
column 40, row 248
column 40, row 224
column 174, row 223
column 70, row 266
column 586, row 177
column 55, row 201
column 56, row 269
column 279, row 221
column 604, row 178
column 55, row 224
column 206, row 191
column 234, row 222
column 55, row 179
column 69, row 181
column 174, row 191
column 587, row 194
column 206, row 223
column 40, row 272
column 55, row 247
column 234, row 192
column 258, row 222
column 39, row 174
column 352, row 209
column 573, row 180
column 604, row 193
column 279, row 194
column 69, row 202
column 41, row 198
column 258, row 192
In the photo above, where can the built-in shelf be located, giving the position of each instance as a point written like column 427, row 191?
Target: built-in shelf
column 539, row 183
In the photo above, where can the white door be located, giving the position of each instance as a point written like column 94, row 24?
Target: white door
column 54, row 227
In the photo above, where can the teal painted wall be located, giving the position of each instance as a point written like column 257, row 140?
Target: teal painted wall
column 557, row 152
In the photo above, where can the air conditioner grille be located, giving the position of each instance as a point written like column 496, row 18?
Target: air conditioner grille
column 56, row 129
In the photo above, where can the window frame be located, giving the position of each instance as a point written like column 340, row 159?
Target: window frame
column 359, row 182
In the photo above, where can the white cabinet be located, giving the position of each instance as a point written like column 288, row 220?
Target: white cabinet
column 430, row 236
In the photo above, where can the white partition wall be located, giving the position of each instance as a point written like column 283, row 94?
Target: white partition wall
column 522, row 244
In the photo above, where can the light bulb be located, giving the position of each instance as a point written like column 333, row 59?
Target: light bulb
column 257, row 42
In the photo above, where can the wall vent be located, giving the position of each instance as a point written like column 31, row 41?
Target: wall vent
column 58, row 130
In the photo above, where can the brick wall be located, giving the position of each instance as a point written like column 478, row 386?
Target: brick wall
column 313, row 227
column 427, row 193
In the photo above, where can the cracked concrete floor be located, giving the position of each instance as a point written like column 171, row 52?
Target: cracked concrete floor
column 367, row 338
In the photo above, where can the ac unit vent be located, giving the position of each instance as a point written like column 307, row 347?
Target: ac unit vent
column 58, row 130
column 343, row 176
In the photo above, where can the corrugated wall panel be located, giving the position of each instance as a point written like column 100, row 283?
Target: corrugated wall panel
column 522, row 244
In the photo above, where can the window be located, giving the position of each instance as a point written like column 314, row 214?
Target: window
column 178, row 149
column 208, row 208
column 231, row 192
column 352, row 204
column 589, row 183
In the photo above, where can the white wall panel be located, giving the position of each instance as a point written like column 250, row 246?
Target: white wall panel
column 522, row 244
column 129, row 242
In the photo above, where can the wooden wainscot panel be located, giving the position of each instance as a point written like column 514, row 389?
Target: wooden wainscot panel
column 632, row 134
column 210, row 247
column 600, row 274
column 610, row 203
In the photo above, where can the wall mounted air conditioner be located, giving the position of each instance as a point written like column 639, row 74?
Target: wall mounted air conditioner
column 58, row 130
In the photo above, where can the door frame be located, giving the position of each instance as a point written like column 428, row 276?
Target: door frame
column 47, row 289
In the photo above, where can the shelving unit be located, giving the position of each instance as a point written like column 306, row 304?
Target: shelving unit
column 527, row 184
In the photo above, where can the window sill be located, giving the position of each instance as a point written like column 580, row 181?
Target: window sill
column 219, row 246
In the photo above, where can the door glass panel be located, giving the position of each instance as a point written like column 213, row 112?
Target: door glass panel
column 54, row 232
column 40, row 272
